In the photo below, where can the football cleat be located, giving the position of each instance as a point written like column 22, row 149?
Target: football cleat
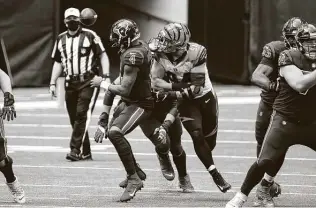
column 275, row 190
column 86, row 157
column 185, row 184
column 236, row 202
column 134, row 184
column 263, row 197
column 73, row 156
column 17, row 191
column 141, row 174
column 166, row 167
column 220, row 181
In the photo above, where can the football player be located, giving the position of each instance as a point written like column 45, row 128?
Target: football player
column 136, row 104
column 184, row 63
column 9, row 113
column 293, row 120
column 265, row 76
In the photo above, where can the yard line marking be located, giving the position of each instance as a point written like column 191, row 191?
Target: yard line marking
column 129, row 139
column 147, row 169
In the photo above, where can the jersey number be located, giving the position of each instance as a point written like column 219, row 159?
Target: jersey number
column 132, row 59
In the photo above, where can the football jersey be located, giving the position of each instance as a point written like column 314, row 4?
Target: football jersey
column 290, row 103
column 270, row 56
column 178, row 71
column 140, row 57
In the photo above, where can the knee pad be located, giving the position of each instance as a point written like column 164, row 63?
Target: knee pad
column 6, row 161
column 211, row 141
column 176, row 150
column 120, row 143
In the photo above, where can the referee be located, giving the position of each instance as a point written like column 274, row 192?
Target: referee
column 77, row 53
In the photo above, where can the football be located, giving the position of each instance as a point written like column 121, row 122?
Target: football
column 88, row 17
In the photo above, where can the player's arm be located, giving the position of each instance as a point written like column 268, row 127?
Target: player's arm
column 8, row 111
column 124, row 88
column 57, row 67
column 294, row 76
column 170, row 117
column 157, row 81
column 264, row 69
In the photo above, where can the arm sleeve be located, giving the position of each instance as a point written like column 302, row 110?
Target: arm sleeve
column 56, row 56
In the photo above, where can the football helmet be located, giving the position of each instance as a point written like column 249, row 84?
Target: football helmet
column 123, row 32
column 306, row 40
column 290, row 29
column 173, row 37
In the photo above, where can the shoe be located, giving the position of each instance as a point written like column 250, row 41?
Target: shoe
column 166, row 167
column 275, row 190
column 141, row 174
column 86, row 157
column 263, row 197
column 134, row 184
column 220, row 181
column 73, row 156
column 185, row 184
column 17, row 191
column 237, row 202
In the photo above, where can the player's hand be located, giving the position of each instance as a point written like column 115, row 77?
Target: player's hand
column 161, row 96
column 96, row 81
column 52, row 90
column 8, row 111
column 100, row 134
column 162, row 134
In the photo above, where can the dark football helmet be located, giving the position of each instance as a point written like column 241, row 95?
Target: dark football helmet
column 290, row 29
column 123, row 32
column 174, row 36
column 306, row 40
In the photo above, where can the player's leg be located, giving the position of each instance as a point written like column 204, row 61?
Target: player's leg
column 7, row 170
column 277, row 140
column 162, row 146
column 125, row 122
column 179, row 156
column 86, row 100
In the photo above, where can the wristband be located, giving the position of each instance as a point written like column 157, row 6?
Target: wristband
column 166, row 124
column 105, row 85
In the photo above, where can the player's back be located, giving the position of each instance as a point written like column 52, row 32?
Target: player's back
column 270, row 57
column 138, row 56
column 290, row 103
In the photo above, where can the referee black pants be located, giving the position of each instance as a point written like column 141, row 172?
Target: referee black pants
column 80, row 101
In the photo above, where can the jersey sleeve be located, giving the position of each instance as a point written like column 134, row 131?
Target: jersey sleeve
column 56, row 56
column 133, row 58
column 268, row 56
column 285, row 59
column 202, row 57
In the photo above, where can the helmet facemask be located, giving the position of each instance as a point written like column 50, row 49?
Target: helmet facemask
column 309, row 48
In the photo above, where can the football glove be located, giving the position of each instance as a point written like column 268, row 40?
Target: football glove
column 161, row 96
column 102, row 130
column 8, row 111
column 161, row 134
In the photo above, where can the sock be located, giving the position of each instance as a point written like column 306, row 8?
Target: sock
column 267, row 180
column 8, row 173
column 253, row 177
column 181, row 164
column 242, row 196
column 211, row 168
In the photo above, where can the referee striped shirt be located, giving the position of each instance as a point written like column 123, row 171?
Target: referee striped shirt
column 78, row 53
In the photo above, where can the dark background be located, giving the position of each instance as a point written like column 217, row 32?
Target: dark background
column 234, row 32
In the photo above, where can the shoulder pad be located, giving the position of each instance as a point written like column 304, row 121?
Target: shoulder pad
column 198, row 53
column 285, row 58
column 133, row 57
column 273, row 49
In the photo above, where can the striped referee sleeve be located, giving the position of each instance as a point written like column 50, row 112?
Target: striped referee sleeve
column 56, row 56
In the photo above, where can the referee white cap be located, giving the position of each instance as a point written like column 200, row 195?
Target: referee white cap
column 72, row 12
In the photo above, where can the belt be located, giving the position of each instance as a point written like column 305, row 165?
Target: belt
column 80, row 77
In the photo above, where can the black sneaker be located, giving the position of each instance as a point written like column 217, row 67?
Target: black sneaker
column 86, row 157
column 141, row 174
column 134, row 184
column 275, row 190
column 72, row 156
column 220, row 181
column 166, row 167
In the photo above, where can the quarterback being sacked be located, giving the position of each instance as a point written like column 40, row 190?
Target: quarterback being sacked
column 8, row 112
column 293, row 120
column 136, row 104
column 265, row 76
column 184, row 63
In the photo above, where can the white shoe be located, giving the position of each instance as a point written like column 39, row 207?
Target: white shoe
column 17, row 191
column 237, row 202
